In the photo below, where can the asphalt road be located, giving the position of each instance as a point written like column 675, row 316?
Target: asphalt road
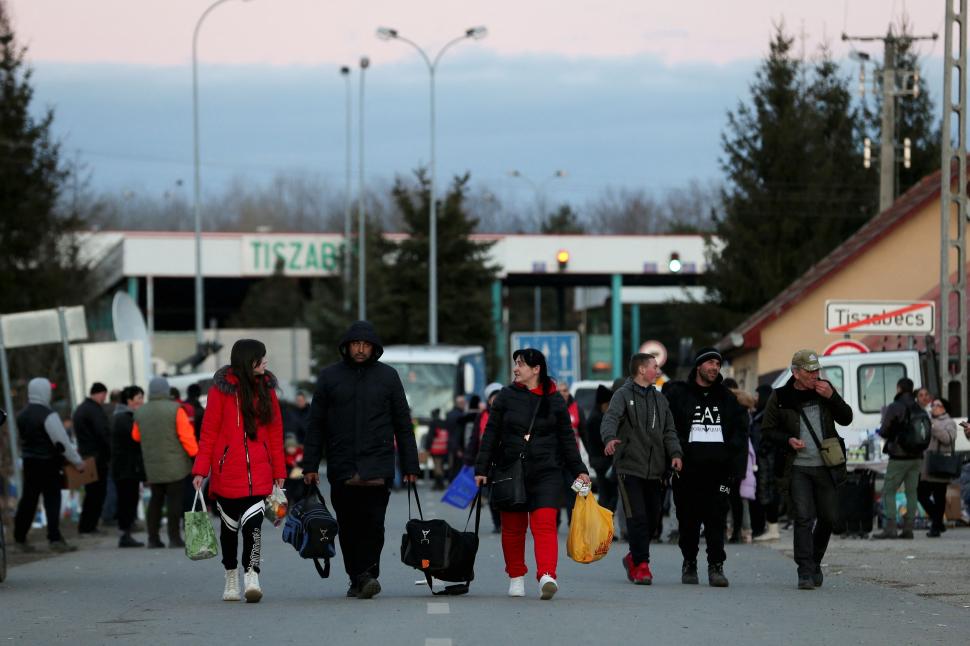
column 102, row 594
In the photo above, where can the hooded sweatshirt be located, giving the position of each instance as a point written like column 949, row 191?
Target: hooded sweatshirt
column 359, row 411
column 42, row 434
column 712, row 427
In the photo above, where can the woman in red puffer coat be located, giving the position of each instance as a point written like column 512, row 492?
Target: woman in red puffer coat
column 242, row 447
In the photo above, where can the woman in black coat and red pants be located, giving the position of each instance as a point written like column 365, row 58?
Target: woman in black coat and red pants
column 549, row 446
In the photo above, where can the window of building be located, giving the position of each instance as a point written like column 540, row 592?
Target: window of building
column 877, row 385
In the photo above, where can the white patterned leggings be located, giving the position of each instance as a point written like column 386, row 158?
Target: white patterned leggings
column 237, row 514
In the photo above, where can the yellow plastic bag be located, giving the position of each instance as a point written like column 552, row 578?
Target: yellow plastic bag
column 591, row 531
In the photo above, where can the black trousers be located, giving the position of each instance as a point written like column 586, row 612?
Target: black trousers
column 41, row 477
column 608, row 493
column 645, row 498
column 168, row 495
column 700, row 499
column 94, row 495
column 128, row 490
column 360, row 512
column 815, row 510
column 932, row 495
column 241, row 515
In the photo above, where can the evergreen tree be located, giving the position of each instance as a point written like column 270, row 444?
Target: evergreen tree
column 795, row 183
column 464, row 277
column 39, row 265
column 564, row 220
column 275, row 301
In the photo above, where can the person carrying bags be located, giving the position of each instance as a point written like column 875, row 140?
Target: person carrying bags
column 529, row 440
column 242, row 447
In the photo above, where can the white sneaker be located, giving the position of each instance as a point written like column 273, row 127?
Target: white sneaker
column 253, row 591
column 517, row 586
column 547, row 587
column 231, row 593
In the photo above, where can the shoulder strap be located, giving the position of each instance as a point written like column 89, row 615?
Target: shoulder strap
column 477, row 508
column 532, row 421
column 414, row 487
column 324, row 571
column 801, row 411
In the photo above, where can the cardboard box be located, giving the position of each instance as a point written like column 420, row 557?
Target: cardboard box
column 74, row 479
column 953, row 503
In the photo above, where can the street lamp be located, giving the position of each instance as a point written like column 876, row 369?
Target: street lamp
column 199, row 299
column 361, row 221
column 474, row 33
column 345, row 72
column 538, row 189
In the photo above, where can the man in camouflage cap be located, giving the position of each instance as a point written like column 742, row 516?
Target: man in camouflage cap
column 801, row 416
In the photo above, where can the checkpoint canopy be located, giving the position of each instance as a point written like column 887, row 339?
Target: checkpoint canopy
column 560, row 348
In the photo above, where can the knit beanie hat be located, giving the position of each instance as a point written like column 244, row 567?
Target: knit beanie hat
column 705, row 354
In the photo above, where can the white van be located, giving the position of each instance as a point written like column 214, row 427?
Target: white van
column 867, row 382
column 433, row 375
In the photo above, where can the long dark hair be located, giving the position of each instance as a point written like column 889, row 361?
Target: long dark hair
column 535, row 359
column 254, row 397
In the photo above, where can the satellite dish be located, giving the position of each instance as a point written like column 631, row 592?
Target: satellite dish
column 129, row 325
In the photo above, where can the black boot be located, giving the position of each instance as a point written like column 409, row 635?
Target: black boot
column 817, row 577
column 127, row 541
column 715, row 575
column 688, row 573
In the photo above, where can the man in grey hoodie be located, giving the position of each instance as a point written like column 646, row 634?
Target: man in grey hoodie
column 638, row 431
column 44, row 445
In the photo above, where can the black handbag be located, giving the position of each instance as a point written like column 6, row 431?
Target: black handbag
column 508, row 481
column 439, row 550
column 941, row 465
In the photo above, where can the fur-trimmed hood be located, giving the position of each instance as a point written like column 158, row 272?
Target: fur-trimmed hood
column 228, row 383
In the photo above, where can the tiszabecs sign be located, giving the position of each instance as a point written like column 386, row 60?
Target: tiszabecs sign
column 880, row 317
column 309, row 255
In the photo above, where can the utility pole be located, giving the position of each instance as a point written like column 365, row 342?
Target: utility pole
column 890, row 91
column 955, row 209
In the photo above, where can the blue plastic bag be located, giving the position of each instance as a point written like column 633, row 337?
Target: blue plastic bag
column 463, row 489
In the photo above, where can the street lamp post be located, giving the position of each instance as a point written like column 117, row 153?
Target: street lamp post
column 476, row 33
column 361, row 220
column 199, row 296
column 538, row 189
column 345, row 72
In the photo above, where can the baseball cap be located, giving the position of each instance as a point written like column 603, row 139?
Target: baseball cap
column 806, row 360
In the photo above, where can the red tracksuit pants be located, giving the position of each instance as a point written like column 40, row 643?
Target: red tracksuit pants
column 544, row 535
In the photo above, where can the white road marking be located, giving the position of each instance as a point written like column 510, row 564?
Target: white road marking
column 438, row 608
column 437, row 641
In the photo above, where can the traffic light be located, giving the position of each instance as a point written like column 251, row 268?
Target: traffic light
column 674, row 265
column 563, row 259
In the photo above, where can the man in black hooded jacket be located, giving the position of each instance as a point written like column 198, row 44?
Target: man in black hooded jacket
column 713, row 431
column 358, row 412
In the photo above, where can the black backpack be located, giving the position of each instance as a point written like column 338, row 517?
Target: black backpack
column 312, row 530
column 439, row 550
column 915, row 433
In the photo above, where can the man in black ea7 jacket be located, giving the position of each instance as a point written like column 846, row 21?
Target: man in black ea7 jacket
column 93, row 440
column 358, row 412
column 713, row 431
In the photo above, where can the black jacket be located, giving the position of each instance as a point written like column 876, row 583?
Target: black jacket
column 91, row 431
column 126, row 460
column 690, row 403
column 594, row 444
column 550, row 449
column 893, row 420
column 357, row 413
column 783, row 421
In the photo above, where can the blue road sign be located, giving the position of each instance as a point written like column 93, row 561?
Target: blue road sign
column 561, row 350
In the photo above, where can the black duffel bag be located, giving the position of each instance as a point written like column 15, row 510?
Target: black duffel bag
column 439, row 550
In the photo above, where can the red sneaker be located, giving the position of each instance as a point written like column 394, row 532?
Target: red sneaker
column 628, row 566
column 642, row 575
